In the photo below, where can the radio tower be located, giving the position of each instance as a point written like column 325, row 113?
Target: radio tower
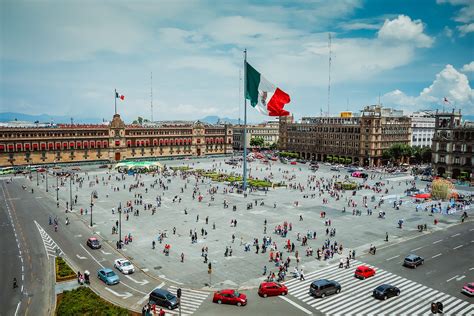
column 151, row 95
column 329, row 79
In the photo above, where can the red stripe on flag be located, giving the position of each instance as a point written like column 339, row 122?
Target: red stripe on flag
column 277, row 102
column 122, row 97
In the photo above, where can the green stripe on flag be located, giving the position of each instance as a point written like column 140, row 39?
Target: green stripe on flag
column 252, row 82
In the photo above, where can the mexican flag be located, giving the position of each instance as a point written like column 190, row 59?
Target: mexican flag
column 263, row 95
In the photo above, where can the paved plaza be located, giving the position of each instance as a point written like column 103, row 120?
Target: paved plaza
column 243, row 268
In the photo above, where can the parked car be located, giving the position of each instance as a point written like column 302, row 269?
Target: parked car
column 323, row 287
column 413, row 261
column 124, row 266
column 163, row 298
column 385, row 291
column 363, row 272
column 272, row 289
column 93, row 243
column 468, row 289
column 229, row 296
column 334, row 168
column 108, row 276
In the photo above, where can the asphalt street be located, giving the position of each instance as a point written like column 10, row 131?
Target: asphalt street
column 35, row 292
column 448, row 254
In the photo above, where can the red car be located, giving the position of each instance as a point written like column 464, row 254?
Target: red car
column 363, row 272
column 272, row 289
column 228, row 296
column 468, row 289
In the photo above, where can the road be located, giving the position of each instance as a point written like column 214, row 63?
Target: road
column 24, row 258
column 448, row 254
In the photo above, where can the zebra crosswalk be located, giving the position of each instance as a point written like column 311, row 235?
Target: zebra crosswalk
column 356, row 295
column 190, row 300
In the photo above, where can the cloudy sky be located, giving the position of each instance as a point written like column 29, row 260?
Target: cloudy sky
column 67, row 57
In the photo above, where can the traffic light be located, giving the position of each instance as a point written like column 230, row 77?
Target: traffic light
column 178, row 293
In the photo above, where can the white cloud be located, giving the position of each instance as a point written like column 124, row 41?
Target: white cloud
column 403, row 29
column 448, row 32
column 359, row 26
column 468, row 67
column 466, row 28
column 449, row 83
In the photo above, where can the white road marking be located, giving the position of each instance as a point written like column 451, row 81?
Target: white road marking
column 460, row 278
column 81, row 257
column 413, row 250
column 78, row 236
column 123, row 296
column 435, row 242
column 457, row 247
column 104, row 252
column 143, row 282
column 392, row 257
column 454, row 277
column 296, row 305
column 439, row 254
column 456, row 235
column 471, row 269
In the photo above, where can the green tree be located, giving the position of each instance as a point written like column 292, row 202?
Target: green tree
column 273, row 146
column 257, row 142
column 397, row 152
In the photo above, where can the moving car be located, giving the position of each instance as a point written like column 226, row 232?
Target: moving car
column 363, row 272
column 468, row 289
column 323, row 287
column 124, row 266
column 93, row 243
column 163, row 298
column 385, row 291
column 272, row 289
column 108, row 276
column 229, row 296
column 413, row 261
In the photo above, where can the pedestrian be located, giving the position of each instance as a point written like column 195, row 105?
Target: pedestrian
column 301, row 218
column 302, row 275
column 264, row 270
column 182, row 257
column 153, row 244
column 386, row 236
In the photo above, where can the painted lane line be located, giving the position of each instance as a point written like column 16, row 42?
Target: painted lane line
column 296, row 305
column 143, row 282
column 439, row 254
column 413, row 250
column 81, row 257
column 392, row 257
column 471, row 269
column 123, row 296
column 457, row 247
column 460, row 278
column 435, row 242
column 105, row 253
column 454, row 277
column 456, row 235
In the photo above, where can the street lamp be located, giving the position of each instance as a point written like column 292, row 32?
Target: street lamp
column 46, row 173
column 37, row 177
column 70, row 191
column 120, row 221
column 93, row 193
column 57, row 188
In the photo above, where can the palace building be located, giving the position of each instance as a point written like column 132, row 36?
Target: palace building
column 67, row 143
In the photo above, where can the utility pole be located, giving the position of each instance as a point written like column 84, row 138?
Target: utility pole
column 120, row 223
column 46, row 174
column 329, row 77
column 57, row 188
column 37, row 178
column 70, row 192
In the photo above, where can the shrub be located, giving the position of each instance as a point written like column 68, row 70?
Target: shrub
column 83, row 301
column 63, row 271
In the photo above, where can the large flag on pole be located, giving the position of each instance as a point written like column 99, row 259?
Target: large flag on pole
column 264, row 96
column 119, row 96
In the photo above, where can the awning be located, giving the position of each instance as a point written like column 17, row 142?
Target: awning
column 423, row 196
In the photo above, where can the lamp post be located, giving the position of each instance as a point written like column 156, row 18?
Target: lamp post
column 57, row 188
column 46, row 174
column 120, row 222
column 37, row 178
column 70, row 191
column 92, row 204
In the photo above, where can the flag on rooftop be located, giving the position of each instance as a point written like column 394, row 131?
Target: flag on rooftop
column 264, row 96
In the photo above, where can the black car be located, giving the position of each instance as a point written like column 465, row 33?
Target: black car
column 163, row 298
column 93, row 243
column 323, row 287
column 385, row 291
column 413, row 261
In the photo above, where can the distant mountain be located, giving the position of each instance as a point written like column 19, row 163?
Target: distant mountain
column 212, row 119
column 468, row 118
column 45, row 118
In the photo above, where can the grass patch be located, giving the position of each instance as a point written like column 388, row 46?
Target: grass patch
column 222, row 177
column 181, row 168
column 83, row 301
column 63, row 270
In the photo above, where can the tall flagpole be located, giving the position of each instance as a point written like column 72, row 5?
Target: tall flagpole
column 115, row 98
column 245, row 122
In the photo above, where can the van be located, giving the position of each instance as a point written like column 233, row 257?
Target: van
column 323, row 287
column 163, row 298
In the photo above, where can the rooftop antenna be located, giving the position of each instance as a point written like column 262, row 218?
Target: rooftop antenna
column 329, row 78
column 240, row 92
column 151, row 95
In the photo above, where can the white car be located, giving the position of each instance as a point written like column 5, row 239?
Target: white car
column 124, row 266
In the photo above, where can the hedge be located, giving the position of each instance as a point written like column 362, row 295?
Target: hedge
column 63, row 271
column 83, row 301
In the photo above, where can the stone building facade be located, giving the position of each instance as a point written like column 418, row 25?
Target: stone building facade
column 357, row 139
column 113, row 142
column 268, row 131
column 453, row 146
column 422, row 129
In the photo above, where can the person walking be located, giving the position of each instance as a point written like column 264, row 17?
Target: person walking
column 386, row 236
column 182, row 257
column 302, row 275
